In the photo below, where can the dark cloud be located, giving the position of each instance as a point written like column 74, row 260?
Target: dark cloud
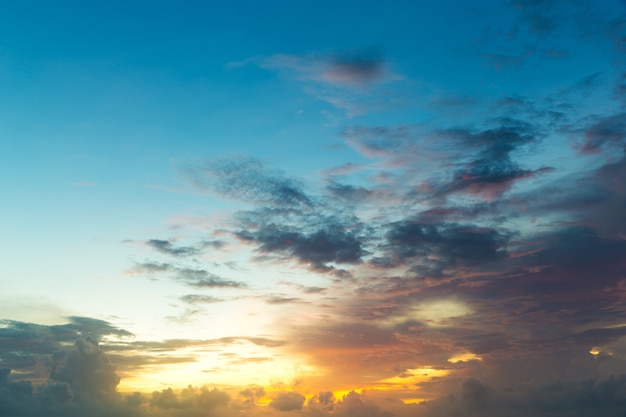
column 288, row 401
column 27, row 346
column 491, row 171
column 166, row 247
column 604, row 132
column 475, row 394
column 86, row 368
column 94, row 328
column 561, row 398
column 332, row 244
column 13, row 395
column 433, row 247
column 349, row 193
column 480, row 161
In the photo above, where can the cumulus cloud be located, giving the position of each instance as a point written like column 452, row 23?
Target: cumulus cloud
column 86, row 368
column 548, row 399
column 288, row 401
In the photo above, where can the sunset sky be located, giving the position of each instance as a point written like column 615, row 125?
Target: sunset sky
column 313, row 208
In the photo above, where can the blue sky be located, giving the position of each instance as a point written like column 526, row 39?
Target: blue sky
column 313, row 207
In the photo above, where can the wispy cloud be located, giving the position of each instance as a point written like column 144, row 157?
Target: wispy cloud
column 350, row 81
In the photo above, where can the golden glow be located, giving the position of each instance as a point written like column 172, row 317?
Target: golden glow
column 413, row 400
column 596, row 351
column 413, row 376
column 464, row 357
column 233, row 365
column 433, row 313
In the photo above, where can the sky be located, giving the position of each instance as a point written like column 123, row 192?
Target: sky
column 313, row 209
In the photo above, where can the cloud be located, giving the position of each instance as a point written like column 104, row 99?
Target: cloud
column 355, row 81
column 192, row 277
column 480, row 161
column 317, row 248
column 277, row 300
column 26, row 346
column 349, row 193
column 194, row 299
column 604, row 132
column 252, row 394
column 247, row 180
column 354, row 69
column 166, row 247
column 86, row 368
column 491, row 171
column 288, row 401
column 433, row 247
column 190, row 399
column 357, row 68
column 542, row 399
column 353, row 405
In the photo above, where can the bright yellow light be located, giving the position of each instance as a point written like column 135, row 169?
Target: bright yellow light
column 595, row 351
column 413, row 400
column 413, row 376
column 464, row 357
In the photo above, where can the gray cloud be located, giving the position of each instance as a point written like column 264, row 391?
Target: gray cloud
column 316, row 248
column 86, row 368
column 432, row 247
column 166, row 247
column 200, row 299
column 603, row 132
column 192, row 277
column 288, row 401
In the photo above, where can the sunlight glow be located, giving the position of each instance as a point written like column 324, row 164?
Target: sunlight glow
column 437, row 313
column 464, row 357
column 413, row 376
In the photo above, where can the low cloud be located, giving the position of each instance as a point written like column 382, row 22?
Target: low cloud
column 288, row 401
